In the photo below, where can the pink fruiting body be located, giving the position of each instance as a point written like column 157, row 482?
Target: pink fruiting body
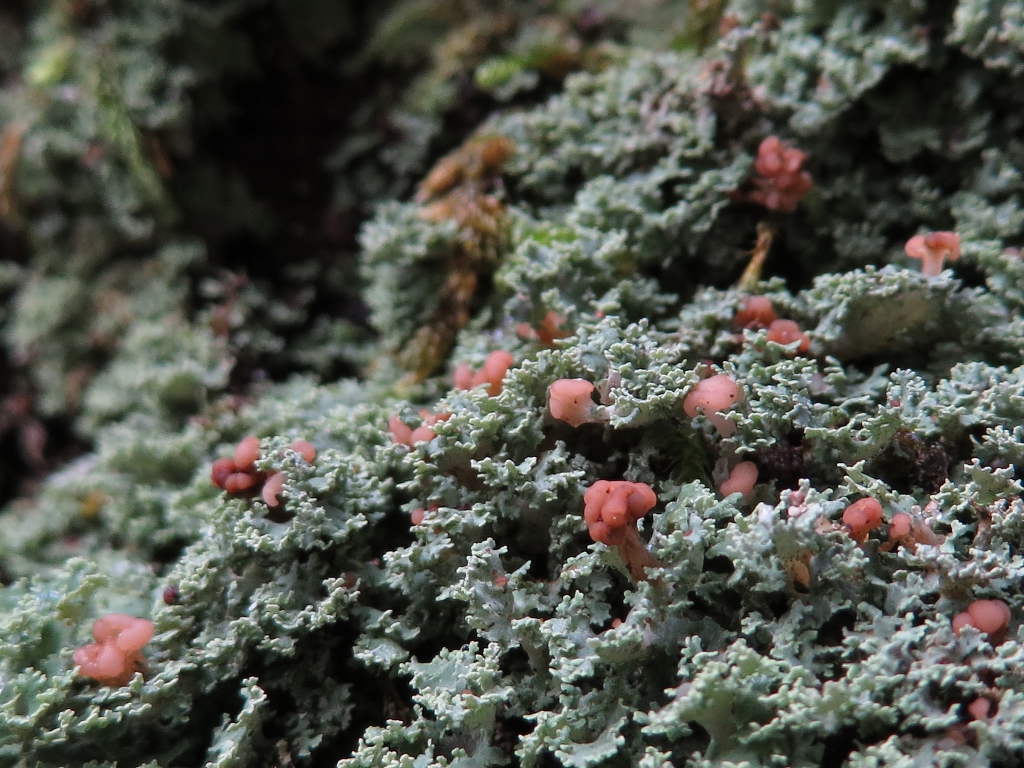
column 246, row 453
column 612, row 505
column 550, row 329
column 222, row 469
column 400, row 433
column 422, row 434
column 787, row 332
column 741, row 480
column 304, row 449
column 933, row 249
column 900, row 526
column 756, row 312
column 494, row 370
column 463, row 376
column 909, row 531
column 239, row 482
column 711, row 396
column 862, row 517
column 430, row 419
column 418, row 514
column 272, row 488
column 103, row 662
column 570, row 400
column 125, row 632
column 980, row 708
column 546, row 333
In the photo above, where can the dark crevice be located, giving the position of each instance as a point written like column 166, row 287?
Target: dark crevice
column 283, row 121
column 910, row 463
column 833, row 631
column 838, row 748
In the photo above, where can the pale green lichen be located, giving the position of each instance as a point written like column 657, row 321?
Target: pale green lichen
column 494, row 631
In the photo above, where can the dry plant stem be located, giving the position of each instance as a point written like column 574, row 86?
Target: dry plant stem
column 752, row 274
column 10, row 152
column 455, row 190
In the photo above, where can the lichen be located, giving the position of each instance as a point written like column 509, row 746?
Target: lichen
column 438, row 600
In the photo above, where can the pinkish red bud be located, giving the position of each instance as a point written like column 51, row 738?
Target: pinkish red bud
column 100, row 661
column 463, row 376
column 980, row 708
column 741, row 480
column 862, row 517
column 305, row 450
column 571, row 400
column 115, row 656
column 780, row 185
column 221, row 470
column 611, row 506
column 711, row 396
column 239, row 482
column 990, row 616
column 756, row 312
column 272, row 488
column 491, row 373
column 422, row 434
column 128, row 633
column 933, row 249
column 400, row 432
column 787, row 332
column 247, row 452
column 494, row 370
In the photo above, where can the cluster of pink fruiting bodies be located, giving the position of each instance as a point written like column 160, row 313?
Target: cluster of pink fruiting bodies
column 613, row 506
column 403, row 434
column 780, row 183
column 989, row 616
column 547, row 332
column 239, row 477
column 612, row 509
column 757, row 312
column 116, row 655
column 865, row 515
column 492, row 373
